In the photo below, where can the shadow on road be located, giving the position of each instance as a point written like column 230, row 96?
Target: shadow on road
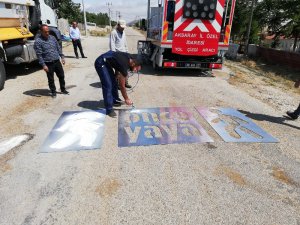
column 70, row 57
column 38, row 92
column 13, row 71
column 272, row 119
column 96, row 85
column 68, row 87
column 93, row 105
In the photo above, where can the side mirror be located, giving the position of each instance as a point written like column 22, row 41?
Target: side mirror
column 171, row 11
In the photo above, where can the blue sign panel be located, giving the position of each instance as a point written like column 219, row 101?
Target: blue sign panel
column 233, row 126
column 159, row 126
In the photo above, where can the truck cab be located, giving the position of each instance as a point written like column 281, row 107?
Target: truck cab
column 19, row 25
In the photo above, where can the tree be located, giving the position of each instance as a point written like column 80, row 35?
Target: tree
column 69, row 10
column 99, row 19
column 239, row 22
column 292, row 26
column 281, row 18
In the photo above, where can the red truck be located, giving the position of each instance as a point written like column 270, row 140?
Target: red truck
column 188, row 33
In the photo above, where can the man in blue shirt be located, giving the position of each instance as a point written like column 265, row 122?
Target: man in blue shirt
column 121, row 62
column 49, row 54
column 75, row 36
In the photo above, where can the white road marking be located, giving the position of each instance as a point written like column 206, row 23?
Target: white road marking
column 9, row 144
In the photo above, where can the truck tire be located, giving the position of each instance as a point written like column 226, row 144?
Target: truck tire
column 2, row 75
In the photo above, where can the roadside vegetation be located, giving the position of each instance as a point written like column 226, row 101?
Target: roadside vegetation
column 98, row 33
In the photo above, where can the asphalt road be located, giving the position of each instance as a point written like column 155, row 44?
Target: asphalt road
column 216, row 183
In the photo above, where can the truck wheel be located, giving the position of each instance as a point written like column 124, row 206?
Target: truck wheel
column 2, row 75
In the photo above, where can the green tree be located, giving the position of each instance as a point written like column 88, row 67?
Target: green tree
column 100, row 18
column 239, row 27
column 280, row 17
column 292, row 26
column 69, row 10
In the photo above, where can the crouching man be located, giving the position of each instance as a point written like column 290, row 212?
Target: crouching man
column 121, row 62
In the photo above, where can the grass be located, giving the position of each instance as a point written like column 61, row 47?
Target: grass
column 98, row 33
column 272, row 75
column 274, row 72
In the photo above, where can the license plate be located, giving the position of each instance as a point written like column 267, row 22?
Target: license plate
column 192, row 65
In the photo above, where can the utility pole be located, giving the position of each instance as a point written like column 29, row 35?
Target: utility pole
column 148, row 17
column 139, row 22
column 118, row 15
column 109, row 12
column 84, row 18
column 249, row 27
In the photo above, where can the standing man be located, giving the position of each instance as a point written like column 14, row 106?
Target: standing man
column 295, row 114
column 118, row 41
column 75, row 36
column 49, row 54
column 121, row 62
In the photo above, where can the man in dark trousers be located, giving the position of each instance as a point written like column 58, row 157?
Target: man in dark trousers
column 50, row 58
column 121, row 62
column 75, row 36
column 295, row 114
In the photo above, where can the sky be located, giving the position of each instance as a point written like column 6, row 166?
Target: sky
column 130, row 9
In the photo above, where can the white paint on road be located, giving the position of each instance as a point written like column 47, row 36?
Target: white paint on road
column 11, row 143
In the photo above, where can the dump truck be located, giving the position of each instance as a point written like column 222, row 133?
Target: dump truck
column 188, row 33
column 19, row 24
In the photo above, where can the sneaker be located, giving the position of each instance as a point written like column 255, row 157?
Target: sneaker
column 112, row 114
column 292, row 115
column 65, row 92
column 53, row 94
column 128, row 85
column 117, row 104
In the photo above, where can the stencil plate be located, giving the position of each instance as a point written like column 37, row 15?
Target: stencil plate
column 159, row 126
column 75, row 131
column 233, row 126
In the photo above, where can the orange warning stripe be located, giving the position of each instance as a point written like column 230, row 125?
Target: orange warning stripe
column 227, row 34
column 165, row 31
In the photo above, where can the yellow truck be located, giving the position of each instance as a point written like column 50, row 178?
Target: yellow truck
column 19, row 23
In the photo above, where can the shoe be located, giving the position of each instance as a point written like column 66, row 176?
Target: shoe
column 65, row 92
column 77, row 57
column 128, row 85
column 117, row 104
column 112, row 114
column 53, row 94
column 292, row 115
column 84, row 57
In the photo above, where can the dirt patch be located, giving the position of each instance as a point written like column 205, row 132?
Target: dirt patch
column 173, row 104
column 280, row 175
column 272, row 85
column 16, row 125
column 4, row 168
column 108, row 187
column 234, row 176
column 252, row 72
column 211, row 146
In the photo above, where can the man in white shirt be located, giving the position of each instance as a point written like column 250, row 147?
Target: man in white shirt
column 118, row 41
column 75, row 36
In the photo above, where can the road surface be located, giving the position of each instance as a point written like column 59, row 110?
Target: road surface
column 194, row 184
